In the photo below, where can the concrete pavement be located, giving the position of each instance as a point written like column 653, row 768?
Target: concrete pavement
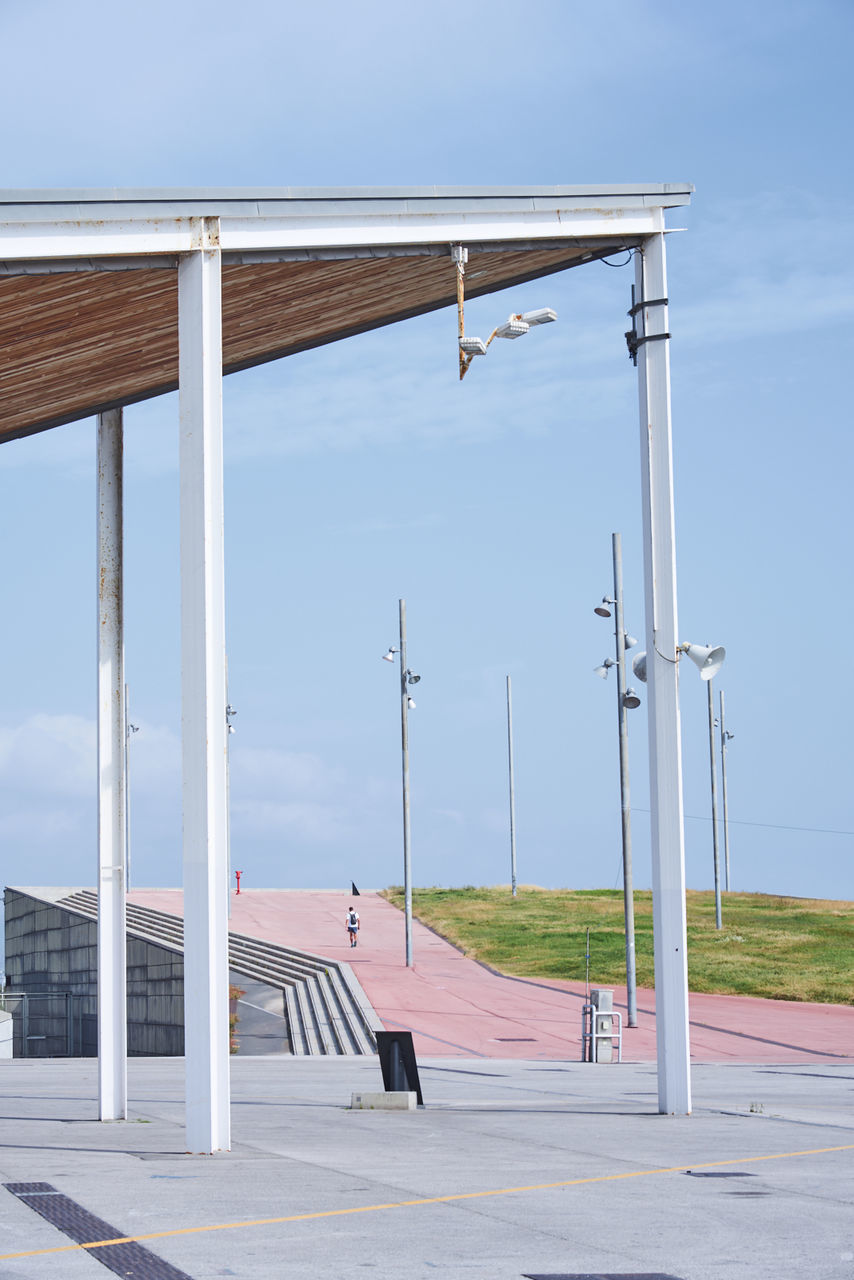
column 511, row 1169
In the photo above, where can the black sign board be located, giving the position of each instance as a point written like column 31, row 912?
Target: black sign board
column 397, row 1060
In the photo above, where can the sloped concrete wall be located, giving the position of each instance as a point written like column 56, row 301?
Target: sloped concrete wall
column 51, row 950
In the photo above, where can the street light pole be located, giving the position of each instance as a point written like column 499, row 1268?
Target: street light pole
column 724, row 739
column 512, row 790
column 714, row 782
column 625, row 807
column 404, row 742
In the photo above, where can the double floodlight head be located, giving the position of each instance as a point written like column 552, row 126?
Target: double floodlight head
column 708, row 660
column 604, row 610
column 630, row 698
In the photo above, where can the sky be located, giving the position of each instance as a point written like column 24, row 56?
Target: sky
column 364, row 472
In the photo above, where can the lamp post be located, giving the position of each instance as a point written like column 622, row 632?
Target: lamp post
column 725, row 737
column 709, row 661
column 407, row 704
column 512, row 790
column 627, row 699
column 714, row 787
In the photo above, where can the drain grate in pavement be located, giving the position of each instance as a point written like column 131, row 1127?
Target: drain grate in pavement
column 699, row 1174
column 516, row 1039
column 84, row 1228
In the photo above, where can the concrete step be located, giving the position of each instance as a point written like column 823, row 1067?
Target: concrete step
column 326, row 1007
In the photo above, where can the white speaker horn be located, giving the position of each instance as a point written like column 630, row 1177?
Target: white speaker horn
column 709, row 661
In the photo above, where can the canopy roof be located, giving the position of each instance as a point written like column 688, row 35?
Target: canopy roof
column 88, row 279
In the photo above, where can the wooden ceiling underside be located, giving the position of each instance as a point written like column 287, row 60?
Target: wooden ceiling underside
column 75, row 343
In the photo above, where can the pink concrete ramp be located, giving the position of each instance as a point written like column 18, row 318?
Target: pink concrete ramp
column 454, row 1007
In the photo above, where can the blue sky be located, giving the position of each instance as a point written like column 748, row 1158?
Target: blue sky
column 364, row 472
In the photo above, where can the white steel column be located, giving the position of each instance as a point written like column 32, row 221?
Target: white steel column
column 665, row 749
column 112, row 970
column 203, row 683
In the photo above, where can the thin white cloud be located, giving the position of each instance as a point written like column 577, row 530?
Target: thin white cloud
column 311, row 823
column 259, row 771
column 49, row 755
column 762, row 266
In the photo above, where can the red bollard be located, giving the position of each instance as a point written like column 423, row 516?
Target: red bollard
column 238, row 874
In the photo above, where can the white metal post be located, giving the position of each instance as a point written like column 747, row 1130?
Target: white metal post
column 724, row 738
column 112, row 963
column 512, row 789
column 625, row 800
column 716, row 860
column 665, row 753
column 203, row 684
column 404, row 742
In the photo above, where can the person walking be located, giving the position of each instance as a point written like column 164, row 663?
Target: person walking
column 353, row 925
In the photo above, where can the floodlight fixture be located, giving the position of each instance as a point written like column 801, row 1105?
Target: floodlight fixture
column 631, row 699
column 543, row 315
column 513, row 327
column 410, row 702
column 605, row 668
column 473, row 346
column 412, row 678
column 604, row 609
column 629, row 642
column 389, row 657
column 708, row 660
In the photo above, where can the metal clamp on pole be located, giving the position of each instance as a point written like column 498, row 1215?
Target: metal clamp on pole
column 633, row 342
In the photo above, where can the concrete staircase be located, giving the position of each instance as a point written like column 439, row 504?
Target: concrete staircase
column 326, row 1010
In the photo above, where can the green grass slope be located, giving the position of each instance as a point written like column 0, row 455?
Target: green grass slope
column 783, row 948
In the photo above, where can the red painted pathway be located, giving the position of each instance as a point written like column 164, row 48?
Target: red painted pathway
column 456, row 1008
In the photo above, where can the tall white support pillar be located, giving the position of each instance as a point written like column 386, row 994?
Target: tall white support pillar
column 112, row 964
column 665, row 749
column 203, row 683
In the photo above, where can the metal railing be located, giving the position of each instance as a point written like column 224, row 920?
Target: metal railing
column 51, row 1024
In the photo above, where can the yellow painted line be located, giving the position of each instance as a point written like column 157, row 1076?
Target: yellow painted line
column 411, row 1204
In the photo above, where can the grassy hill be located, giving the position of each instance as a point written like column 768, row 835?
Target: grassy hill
column 784, row 948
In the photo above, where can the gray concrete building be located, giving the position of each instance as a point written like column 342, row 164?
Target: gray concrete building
column 52, row 982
